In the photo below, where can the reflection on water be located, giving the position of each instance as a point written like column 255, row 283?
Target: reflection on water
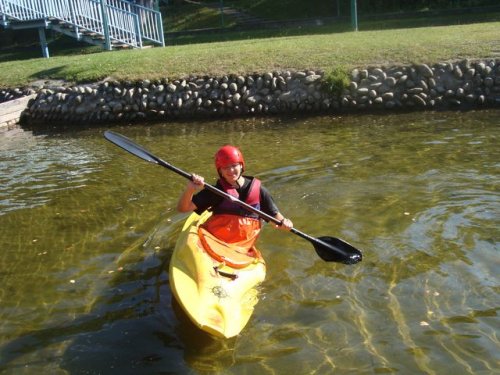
column 34, row 168
column 87, row 230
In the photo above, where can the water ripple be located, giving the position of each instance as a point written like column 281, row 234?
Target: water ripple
column 31, row 168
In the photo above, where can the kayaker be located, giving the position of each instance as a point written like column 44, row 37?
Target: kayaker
column 230, row 222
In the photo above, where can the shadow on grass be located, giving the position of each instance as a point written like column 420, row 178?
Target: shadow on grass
column 60, row 45
column 49, row 73
column 20, row 53
column 326, row 26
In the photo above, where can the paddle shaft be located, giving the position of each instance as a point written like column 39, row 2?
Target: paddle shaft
column 219, row 192
column 235, row 200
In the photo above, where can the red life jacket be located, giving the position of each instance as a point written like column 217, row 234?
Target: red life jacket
column 231, row 208
column 234, row 229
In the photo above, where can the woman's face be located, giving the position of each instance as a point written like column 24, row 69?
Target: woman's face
column 231, row 173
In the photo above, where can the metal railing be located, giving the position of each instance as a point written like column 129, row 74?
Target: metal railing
column 22, row 10
column 116, row 20
column 150, row 22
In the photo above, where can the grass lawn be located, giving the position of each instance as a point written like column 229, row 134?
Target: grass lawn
column 326, row 50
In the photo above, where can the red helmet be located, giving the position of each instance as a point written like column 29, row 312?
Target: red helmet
column 228, row 155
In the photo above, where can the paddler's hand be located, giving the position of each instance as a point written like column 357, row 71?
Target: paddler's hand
column 197, row 183
column 286, row 224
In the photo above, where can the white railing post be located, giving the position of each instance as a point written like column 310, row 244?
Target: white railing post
column 74, row 20
column 43, row 42
column 137, row 25
column 160, row 29
column 105, row 24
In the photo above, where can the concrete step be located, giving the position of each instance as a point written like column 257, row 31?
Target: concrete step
column 11, row 111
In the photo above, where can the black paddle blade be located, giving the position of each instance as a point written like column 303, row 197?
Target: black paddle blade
column 332, row 249
column 130, row 146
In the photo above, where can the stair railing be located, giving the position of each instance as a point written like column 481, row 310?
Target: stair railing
column 126, row 22
column 22, row 10
column 150, row 22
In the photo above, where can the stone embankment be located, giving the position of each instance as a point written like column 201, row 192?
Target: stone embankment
column 458, row 85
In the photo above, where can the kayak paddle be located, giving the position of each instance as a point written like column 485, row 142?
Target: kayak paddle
column 329, row 249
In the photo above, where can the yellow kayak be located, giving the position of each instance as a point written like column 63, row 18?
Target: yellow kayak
column 217, row 292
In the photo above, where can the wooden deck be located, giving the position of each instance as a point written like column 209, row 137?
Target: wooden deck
column 10, row 112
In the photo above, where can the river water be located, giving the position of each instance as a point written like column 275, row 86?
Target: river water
column 87, row 230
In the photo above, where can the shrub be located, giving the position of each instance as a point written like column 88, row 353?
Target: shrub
column 335, row 81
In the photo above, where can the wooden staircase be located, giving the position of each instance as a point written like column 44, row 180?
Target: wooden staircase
column 107, row 23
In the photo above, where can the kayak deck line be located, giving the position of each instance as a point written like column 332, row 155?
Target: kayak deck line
column 231, row 276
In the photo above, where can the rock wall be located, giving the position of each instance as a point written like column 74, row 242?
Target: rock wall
column 445, row 85
column 448, row 85
column 7, row 95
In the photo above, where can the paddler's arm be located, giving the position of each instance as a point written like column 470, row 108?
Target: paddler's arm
column 185, row 203
column 286, row 224
column 269, row 207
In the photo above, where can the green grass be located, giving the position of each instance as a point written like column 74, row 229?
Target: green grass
column 323, row 51
column 192, row 17
column 286, row 9
column 312, row 9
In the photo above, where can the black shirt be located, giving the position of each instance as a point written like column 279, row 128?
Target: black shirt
column 205, row 199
